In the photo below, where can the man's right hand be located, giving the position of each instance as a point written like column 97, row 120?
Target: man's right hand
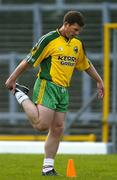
column 10, row 85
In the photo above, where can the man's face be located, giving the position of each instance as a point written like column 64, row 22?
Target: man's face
column 72, row 30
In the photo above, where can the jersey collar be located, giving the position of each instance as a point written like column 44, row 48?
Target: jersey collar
column 65, row 38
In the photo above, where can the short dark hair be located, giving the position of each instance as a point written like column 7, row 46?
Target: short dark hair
column 72, row 17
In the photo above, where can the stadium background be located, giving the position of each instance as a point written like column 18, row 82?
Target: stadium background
column 21, row 24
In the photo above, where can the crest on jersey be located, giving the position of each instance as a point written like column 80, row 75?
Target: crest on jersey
column 60, row 48
column 75, row 49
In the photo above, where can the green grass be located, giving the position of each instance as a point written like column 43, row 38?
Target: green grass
column 28, row 167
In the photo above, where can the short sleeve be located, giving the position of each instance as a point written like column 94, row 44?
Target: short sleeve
column 83, row 62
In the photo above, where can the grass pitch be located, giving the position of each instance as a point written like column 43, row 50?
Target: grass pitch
column 28, row 167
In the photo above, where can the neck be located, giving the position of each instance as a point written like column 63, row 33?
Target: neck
column 62, row 32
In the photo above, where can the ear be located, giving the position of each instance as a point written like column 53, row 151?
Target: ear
column 66, row 24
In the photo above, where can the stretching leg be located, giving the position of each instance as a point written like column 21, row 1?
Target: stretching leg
column 39, row 116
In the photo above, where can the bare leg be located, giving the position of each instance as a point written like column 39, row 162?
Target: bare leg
column 46, row 116
column 31, row 111
column 39, row 116
column 54, row 135
column 43, row 118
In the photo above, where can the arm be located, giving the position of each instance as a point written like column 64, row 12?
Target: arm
column 11, row 81
column 91, row 71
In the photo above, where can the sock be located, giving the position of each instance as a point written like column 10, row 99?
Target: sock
column 20, row 96
column 48, row 164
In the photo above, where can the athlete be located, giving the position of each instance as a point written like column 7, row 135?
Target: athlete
column 58, row 53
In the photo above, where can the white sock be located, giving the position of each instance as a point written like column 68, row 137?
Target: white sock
column 48, row 164
column 20, row 96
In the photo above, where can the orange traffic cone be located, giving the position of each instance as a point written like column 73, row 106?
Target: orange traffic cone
column 71, row 172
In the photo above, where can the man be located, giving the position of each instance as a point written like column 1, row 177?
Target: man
column 58, row 53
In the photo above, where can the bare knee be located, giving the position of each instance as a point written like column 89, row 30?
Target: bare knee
column 57, row 131
column 40, row 126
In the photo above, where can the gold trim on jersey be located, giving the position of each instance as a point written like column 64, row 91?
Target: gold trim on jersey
column 41, row 91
